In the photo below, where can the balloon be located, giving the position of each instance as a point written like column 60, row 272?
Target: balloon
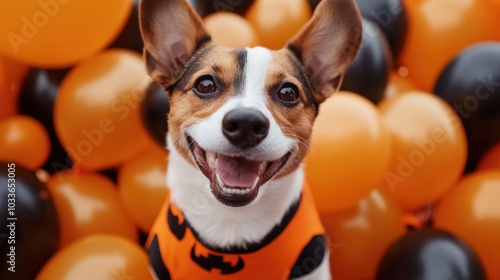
column 131, row 38
column 24, row 141
column 428, row 149
column 154, row 112
column 471, row 85
column 391, row 17
column 143, row 187
column 430, row 254
column 471, row 212
column 369, row 73
column 59, row 33
column 2, row 75
column 88, row 204
column 277, row 21
column 36, row 99
column 231, row 30
column 350, row 150
column 439, row 30
column 98, row 257
column 11, row 72
column 314, row 3
column 398, row 85
column 360, row 235
column 97, row 113
column 35, row 231
column 496, row 3
column 111, row 174
column 207, row 7
column 491, row 160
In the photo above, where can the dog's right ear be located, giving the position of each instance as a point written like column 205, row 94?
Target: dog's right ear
column 172, row 31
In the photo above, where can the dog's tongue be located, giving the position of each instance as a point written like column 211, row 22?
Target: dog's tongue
column 237, row 172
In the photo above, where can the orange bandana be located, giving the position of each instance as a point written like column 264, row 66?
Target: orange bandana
column 292, row 249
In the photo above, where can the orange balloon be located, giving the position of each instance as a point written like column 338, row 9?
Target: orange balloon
column 11, row 74
column 143, row 187
column 397, row 85
column 24, row 140
column 350, row 150
column 88, row 204
column 59, row 33
column 231, row 30
column 472, row 213
column 277, row 21
column 496, row 3
column 429, row 149
column 98, row 257
column 439, row 29
column 491, row 160
column 97, row 113
column 3, row 75
column 360, row 235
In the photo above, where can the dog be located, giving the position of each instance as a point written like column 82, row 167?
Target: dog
column 239, row 127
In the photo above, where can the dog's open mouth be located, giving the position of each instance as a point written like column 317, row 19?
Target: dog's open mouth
column 235, row 181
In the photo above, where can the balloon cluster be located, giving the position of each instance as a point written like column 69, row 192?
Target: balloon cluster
column 404, row 164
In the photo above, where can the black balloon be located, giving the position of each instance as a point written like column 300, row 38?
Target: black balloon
column 36, row 99
column 207, row 7
column 471, row 85
column 430, row 254
column 154, row 111
column 130, row 37
column 391, row 18
column 389, row 15
column 111, row 174
column 314, row 3
column 369, row 73
column 36, row 228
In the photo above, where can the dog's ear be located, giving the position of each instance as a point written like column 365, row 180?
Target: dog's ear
column 328, row 44
column 172, row 31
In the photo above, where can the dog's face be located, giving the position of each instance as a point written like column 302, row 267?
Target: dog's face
column 244, row 116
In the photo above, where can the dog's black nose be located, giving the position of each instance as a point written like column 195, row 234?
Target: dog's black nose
column 245, row 127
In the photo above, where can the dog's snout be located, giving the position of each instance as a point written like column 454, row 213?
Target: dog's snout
column 245, row 127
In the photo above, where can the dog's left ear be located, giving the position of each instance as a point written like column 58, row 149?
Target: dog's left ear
column 328, row 44
column 172, row 31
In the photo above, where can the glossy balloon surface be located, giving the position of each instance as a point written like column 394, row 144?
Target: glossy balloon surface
column 231, row 30
column 360, row 235
column 59, row 33
column 35, row 231
column 143, row 187
column 429, row 149
column 471, row 85
column 37, row 96
column 350, row 150
column 97, row 113
column 369, row 73
column 277, row 21
column 25, row 141
column 471, row 212
column 439, row 30
column 430, row 254
column 88, row 204
column 98, row 257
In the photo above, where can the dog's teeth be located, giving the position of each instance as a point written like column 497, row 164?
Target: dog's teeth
column 262, row 168
column 212, row 160
column 219, row 181
column 255, row 183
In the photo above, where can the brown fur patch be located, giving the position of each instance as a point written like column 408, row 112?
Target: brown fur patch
column 296, row 122
column 187, row 108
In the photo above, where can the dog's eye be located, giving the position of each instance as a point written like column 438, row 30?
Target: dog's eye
column 205, row 85
column 288, row 93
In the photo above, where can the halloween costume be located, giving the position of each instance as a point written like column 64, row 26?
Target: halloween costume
column 292, row 249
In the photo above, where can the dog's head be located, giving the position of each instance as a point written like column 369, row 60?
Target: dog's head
column 245, row 116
